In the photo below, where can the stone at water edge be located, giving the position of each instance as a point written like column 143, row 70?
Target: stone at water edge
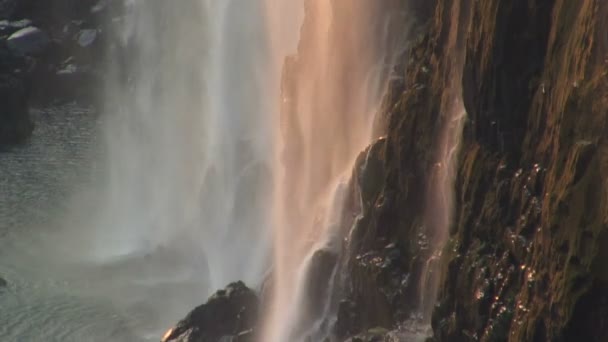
column 99, row 6
column 3, row 283
column 10, row 27
column 86, row 37
column 229, row 314
column 318, row 283
column 29, row 40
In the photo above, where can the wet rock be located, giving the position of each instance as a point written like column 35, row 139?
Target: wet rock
column 71, row 73
column 100, row 6
column 346, row 319
column 10, row 27
column 87, row 37
column 3, row 283
column 229, row 315
column 318, row 284
column 380, row 285
column 11, row 64
column 245, row 336
column 15, row 123
column 318, row 288
column 370, row 172
column 28, row 41
column 377, row 334
column 524, row 267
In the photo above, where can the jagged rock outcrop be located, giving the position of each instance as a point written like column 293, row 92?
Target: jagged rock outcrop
column 28, row 41
column 523, row 260
column 229, row 315
column 392, row 242
column 531, row 212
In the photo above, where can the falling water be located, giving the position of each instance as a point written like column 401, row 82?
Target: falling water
column 440, row 193
column 214, row 162
column 197, row 153
column 330, row 92
column 179, row 201
column 185, row 185
column 189, row 136
column 199, row 179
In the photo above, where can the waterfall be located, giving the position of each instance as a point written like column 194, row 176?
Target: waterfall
column 188, row 156
column 331, row 90
column 181, row 201
column 440, row 193
column 189, row 147
column 229, row 158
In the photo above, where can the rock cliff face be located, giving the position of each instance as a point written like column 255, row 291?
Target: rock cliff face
column 527, row 241
column 528, row 232
column 392, row 259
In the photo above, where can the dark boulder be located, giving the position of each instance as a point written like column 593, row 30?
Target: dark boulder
column 86, row 37
column 10, row 27
column 28, row 41
column 319, row 280
column 11, row 64
column 3, row 283
column 15, row 124
column 230, row 314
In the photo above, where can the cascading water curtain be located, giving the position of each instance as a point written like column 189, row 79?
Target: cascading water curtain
column 440, row 193
column 189, row 155
column 189, row 135
column 331, row 90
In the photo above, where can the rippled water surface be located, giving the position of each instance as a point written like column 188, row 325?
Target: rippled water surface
column 54, row 292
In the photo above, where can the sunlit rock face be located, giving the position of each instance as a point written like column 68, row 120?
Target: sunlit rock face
column 403, row 187
column 531, row 218
column 522, row 260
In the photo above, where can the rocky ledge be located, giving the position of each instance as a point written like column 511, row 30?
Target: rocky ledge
column 229, row 315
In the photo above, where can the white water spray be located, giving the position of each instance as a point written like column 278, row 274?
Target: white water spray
column 191, row 145
column 189, row 136
column 181, row 204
